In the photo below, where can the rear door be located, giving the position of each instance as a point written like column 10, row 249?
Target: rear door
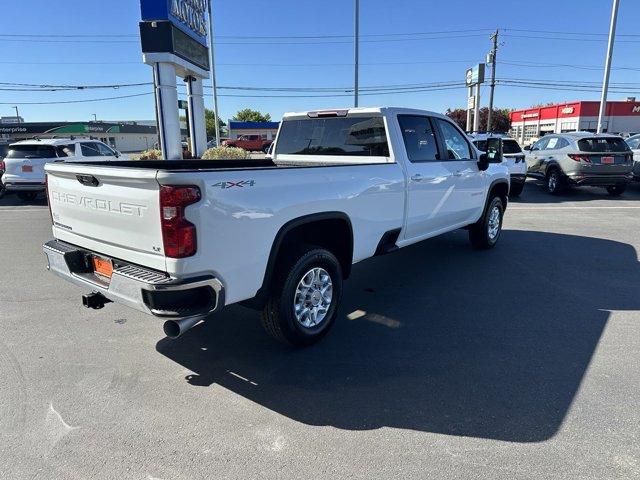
column 430, row 181
column 112, row 211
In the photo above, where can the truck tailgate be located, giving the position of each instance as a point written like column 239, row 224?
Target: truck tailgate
column 112, row 211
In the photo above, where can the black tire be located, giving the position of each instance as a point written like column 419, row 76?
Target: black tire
column 278, row 315
column 555, row 182
column 616, row 190
column 27, row 196
column 3, row 190
column 479, row 233
column 516, row 189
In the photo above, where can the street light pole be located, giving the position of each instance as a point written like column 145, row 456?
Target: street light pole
column 214, row 85
column 95, row 117
column 17, row 114
column 607, row 66
column 356, row 52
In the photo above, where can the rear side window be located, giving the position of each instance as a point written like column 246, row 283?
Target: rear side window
column 603, row 145
column 66, row 150
column 31, row 151
column 632, row 142
column 351, row 136
column 419, row 138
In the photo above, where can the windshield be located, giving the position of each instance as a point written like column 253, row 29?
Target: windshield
column 603, row 145
column 31, row 151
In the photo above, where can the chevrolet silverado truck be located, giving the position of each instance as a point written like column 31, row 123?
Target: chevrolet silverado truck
column 180, row 240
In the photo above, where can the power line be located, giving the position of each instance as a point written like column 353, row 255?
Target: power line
column 77, row 101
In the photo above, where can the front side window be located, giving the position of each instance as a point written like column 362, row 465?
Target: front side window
column 540, row 144
column 105, row 151
column 90, row 150
column 457, row 146
column 419, row 138
column 510, row 146
column 348, row 136
column 632, row 142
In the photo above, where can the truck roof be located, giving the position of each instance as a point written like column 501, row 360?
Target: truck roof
column 343, row 111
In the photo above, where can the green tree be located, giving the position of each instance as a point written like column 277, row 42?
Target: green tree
column 210, row 118
column 248, row 115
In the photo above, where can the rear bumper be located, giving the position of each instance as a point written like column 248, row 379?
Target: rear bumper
column 579, row 178
column 142, row 289
column 24, row 186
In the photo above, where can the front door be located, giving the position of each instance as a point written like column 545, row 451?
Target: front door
column 430, row 181
column 468, row 195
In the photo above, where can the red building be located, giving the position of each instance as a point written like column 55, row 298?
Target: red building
column 532, row 123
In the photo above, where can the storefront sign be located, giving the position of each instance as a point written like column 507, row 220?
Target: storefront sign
column 530, row 115
column 567, row 110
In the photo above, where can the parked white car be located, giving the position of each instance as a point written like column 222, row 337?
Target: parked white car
column 24, row 162
column 182, row 239
column 513, row 155
column 634, row 145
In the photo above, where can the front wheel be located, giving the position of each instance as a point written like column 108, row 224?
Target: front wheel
column 485, row 233
column 616, row 190
column 303, row 304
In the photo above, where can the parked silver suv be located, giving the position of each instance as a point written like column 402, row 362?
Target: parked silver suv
column 581, row 158
column 634, row 145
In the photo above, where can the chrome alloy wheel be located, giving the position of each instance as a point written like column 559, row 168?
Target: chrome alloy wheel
column 313, row 297
column 553, row 182
column 494, row 223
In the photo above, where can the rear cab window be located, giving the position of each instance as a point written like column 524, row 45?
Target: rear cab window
column 603, row 145
column 357, row 136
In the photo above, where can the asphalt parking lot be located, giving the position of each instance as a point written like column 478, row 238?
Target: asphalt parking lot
column 517, row 363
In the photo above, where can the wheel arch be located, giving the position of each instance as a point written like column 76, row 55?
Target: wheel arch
column 330, row 230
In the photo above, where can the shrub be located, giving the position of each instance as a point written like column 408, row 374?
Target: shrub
column 225, row 153
column 151, row 154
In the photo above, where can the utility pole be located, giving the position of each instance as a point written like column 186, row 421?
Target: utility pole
column 214, row 85
column 95, row 117
column 607, row 65
column 492, row 59
column 356, row 53
column 17, row 114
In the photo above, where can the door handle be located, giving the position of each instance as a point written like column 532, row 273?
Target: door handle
column 416, row 178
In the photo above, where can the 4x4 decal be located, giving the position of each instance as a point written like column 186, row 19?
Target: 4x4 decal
column 241, row 183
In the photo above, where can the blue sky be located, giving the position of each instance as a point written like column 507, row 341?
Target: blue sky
column 387, row 60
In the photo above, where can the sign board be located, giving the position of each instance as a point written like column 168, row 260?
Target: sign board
column 164, row 37
column 567, row 110
column 190, row 16
column 475, row 75
column 471, row 102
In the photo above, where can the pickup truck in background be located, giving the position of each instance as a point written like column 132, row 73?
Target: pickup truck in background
column 181, row 239
column 251, row 143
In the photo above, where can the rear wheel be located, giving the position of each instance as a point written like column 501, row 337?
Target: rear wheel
column 616, row 190
column 555, row 182
column 27, row 196
column 485, row 233
column 303, row 304
column 3, row 190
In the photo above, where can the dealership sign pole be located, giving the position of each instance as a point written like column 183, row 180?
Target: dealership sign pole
column 174, row 38
column 474, row 76
column 607, row 67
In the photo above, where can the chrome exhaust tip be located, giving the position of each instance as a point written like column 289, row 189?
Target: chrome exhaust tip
column 175, row 328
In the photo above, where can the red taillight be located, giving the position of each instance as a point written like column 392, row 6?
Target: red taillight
column 579, row 158
column 2, row 167
column 178, row 235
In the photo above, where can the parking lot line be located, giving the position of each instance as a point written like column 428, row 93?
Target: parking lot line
column 594, row 207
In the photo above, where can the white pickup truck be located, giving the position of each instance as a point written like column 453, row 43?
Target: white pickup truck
column 182, row 239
